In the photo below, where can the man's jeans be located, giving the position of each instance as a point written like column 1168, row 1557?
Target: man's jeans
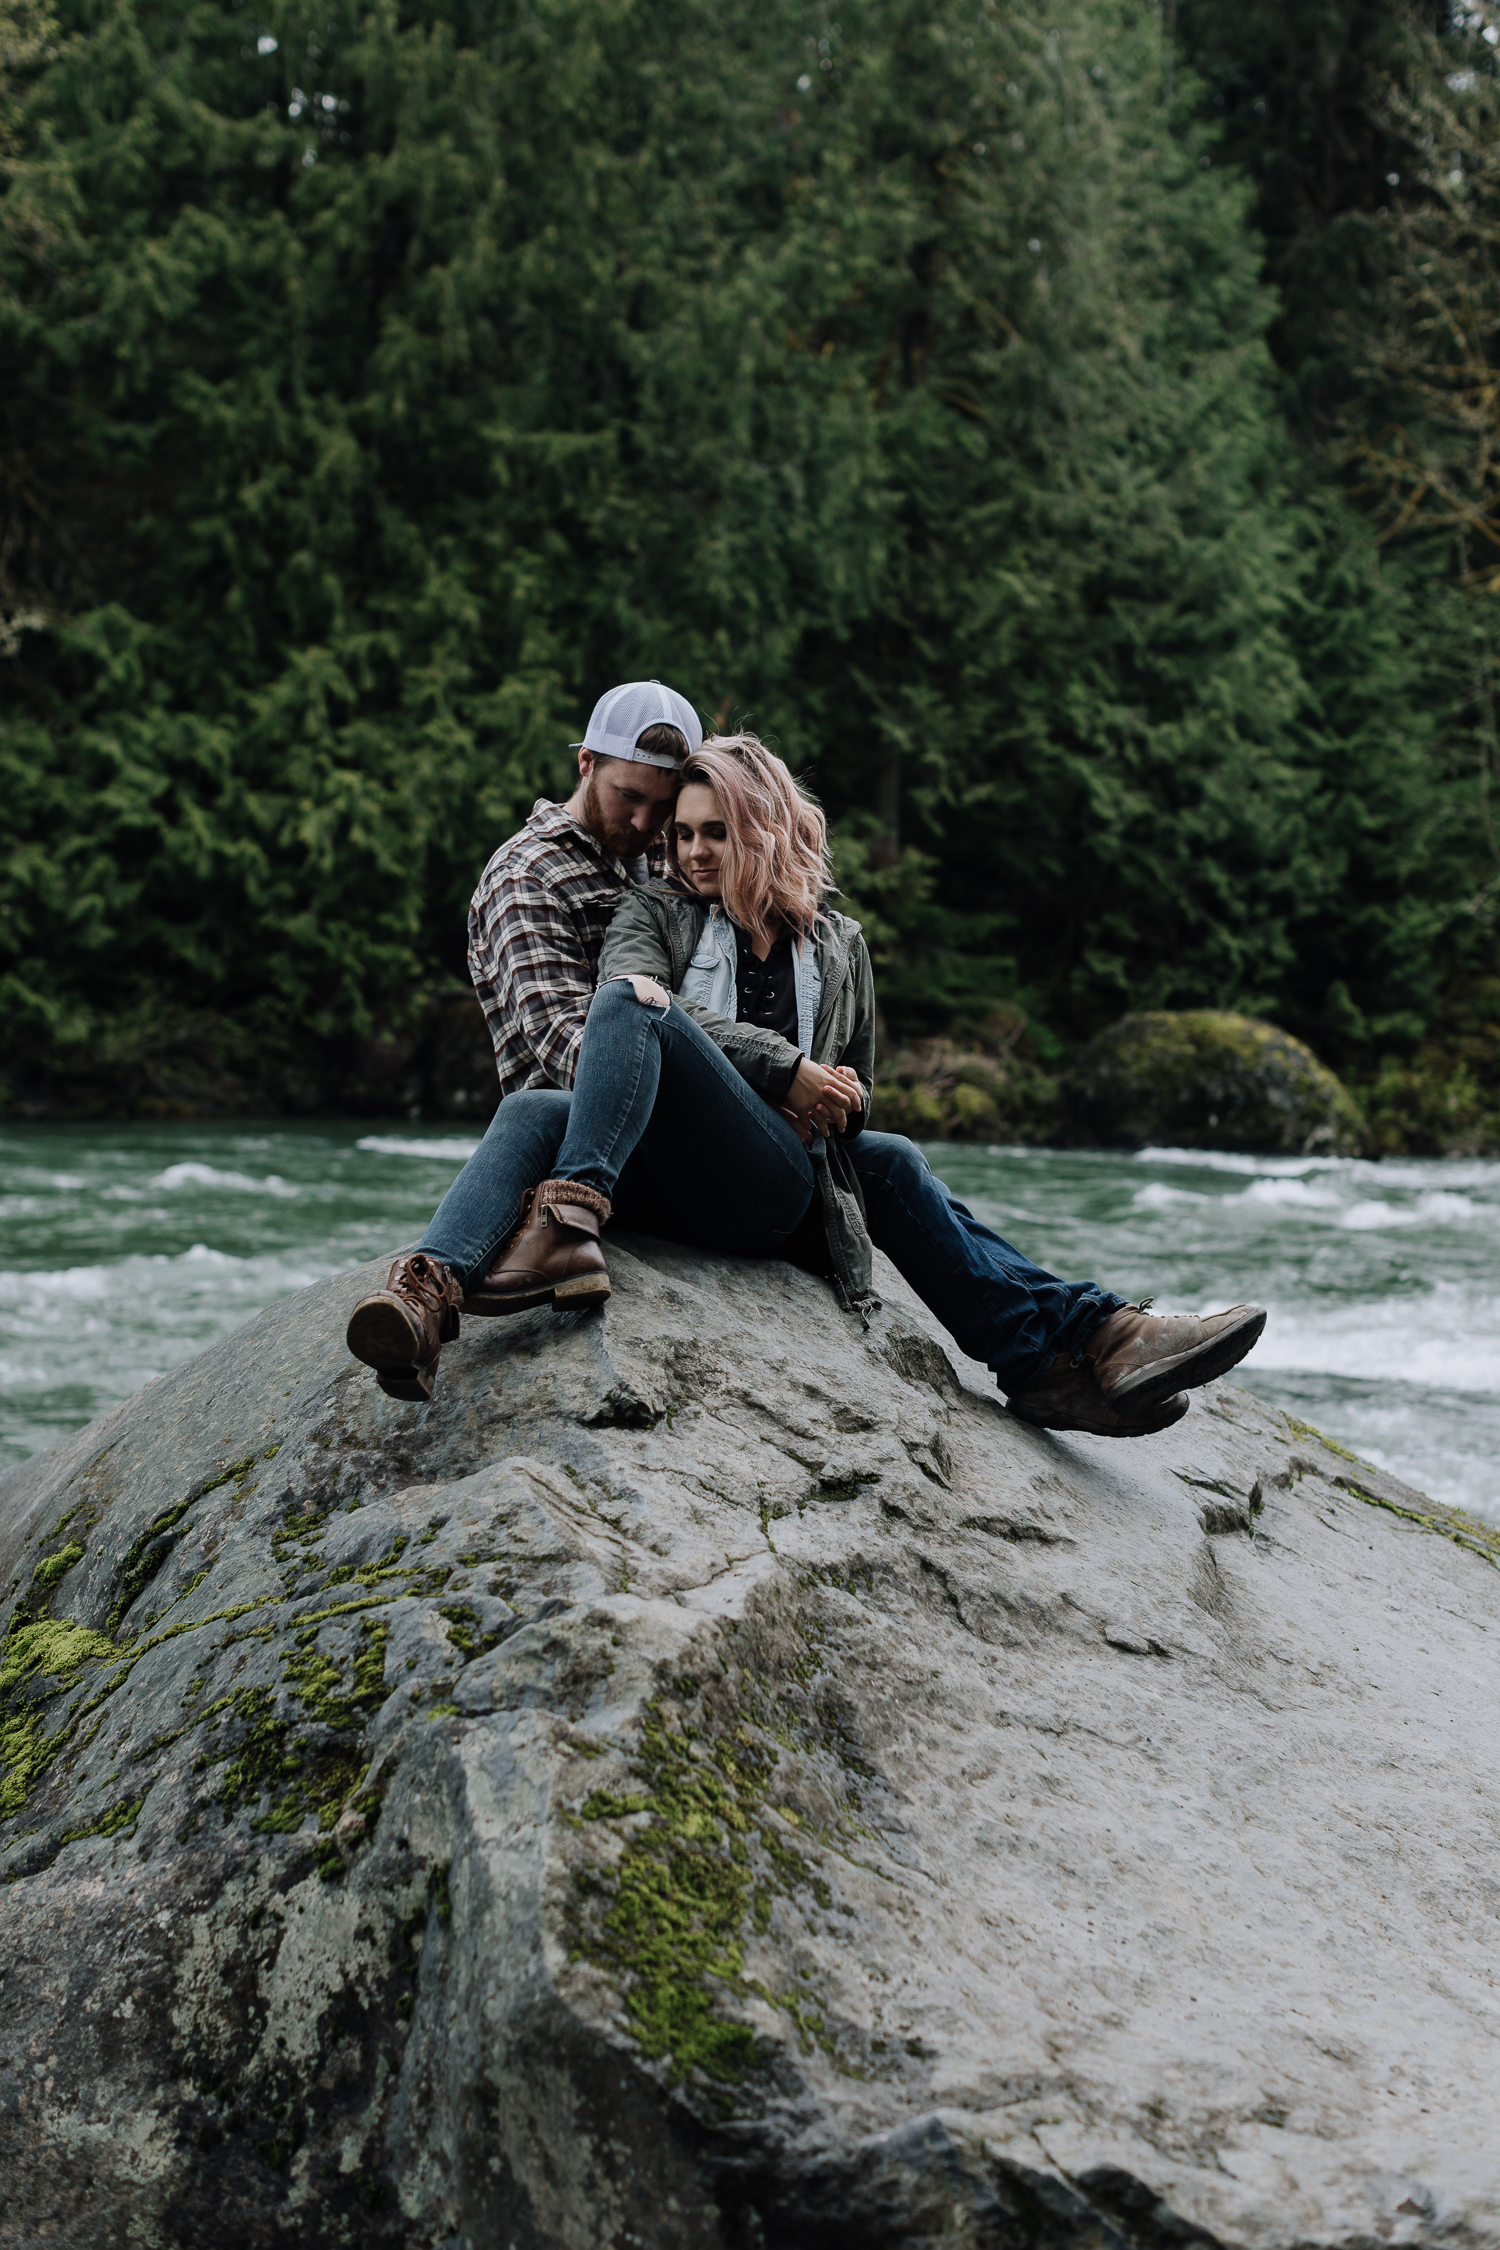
column 662, row 1123
column 995, row 1304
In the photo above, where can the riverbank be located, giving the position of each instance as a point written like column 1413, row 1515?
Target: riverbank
column 1002, row 1080
column 1002, row 1083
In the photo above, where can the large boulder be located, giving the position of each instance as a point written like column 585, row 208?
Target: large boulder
column 1201, row 1078
column 714, row 1782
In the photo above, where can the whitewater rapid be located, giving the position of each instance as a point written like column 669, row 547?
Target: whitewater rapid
column 124, row 1249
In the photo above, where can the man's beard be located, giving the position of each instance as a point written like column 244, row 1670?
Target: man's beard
column 623, row 842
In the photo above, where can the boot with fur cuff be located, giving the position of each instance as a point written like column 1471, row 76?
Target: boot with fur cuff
column 553, row 1258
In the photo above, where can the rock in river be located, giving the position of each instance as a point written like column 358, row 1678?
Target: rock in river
column 713, row 1782
column 1202, row 1078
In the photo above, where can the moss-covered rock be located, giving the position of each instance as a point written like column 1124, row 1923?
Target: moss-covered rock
column 1202, row 1078
column 710, row 1781
column 988, row 1086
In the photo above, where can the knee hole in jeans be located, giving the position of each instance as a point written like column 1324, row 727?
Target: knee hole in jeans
column 658, row 1005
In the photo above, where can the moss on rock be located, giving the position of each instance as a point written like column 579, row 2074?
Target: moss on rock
column 989, row 1087
column 53, row 1567
column 674, row 1907
column 1202, row 1078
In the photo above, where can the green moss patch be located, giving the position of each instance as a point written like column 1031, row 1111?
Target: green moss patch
column 277, row 1755
column 1482, row 1539
column 318, row 1684
column 53, row 1567
column 275, row 1760
column 289, row 1752
column 703, row 1856
column 145, row 1559
column 49, row 1649
column 466, row 1633
column 1449, row 1523
column 676, row 1903
column 272, row 1762
column 121, row 1815
column 1307, row 1430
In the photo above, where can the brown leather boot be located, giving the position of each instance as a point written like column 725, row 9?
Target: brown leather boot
column 1140, row 1358
column 1069, row 1398
column 553, row 1258
column 400, row 1329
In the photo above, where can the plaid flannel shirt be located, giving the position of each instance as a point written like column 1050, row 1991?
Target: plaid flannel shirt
column 536, row 926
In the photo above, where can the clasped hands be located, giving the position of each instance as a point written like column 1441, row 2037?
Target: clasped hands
column 821, row 1101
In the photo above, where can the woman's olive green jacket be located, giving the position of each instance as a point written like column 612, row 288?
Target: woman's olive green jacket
column 655, row 933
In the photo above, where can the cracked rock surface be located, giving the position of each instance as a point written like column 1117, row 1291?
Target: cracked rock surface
column 712, row 1781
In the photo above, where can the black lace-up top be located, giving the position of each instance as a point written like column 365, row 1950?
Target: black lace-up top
column 766, row 991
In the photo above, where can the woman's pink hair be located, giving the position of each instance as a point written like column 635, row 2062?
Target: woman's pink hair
column 775, row 866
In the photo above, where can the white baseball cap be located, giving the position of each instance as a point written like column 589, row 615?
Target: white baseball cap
column 622, row 716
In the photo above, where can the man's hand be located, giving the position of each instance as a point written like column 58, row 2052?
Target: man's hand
column 647, row 991
column 821, row 1100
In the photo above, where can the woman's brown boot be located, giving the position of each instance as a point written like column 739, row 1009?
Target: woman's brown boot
column 554, row 1256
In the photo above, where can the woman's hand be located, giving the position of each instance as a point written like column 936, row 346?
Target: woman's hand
column 647, row 991
column 821, row 1100
column 832, row 1114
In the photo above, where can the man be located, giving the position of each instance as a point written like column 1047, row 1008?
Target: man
column 536, row 926
column 538, row 918
column 1069, row 1355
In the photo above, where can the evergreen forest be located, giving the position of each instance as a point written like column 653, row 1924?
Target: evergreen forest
column 1070, row 433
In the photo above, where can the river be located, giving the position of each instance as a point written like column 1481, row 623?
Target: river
column 125, row 1248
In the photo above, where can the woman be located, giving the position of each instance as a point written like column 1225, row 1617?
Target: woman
column 727, row 1059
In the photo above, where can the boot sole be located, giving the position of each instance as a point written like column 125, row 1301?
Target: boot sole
column 1189, row 1370
column 413, row 1384
column 577, row 1295
column 1166, row 1414
column 380, row 1334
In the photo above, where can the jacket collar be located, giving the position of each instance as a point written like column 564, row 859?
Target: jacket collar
column 832, row 944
